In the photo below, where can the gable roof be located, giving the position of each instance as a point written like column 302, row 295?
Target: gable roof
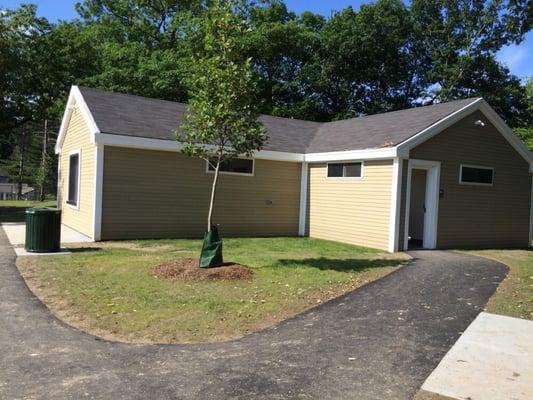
column 123, row 114
column 381, row 130
column 135, row 121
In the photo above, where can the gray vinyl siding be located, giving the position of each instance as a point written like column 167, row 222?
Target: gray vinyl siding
column 478, row 216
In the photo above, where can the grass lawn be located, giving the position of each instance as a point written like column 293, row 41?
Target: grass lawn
column 110, row 291
column 514, row 296
column 13, row 210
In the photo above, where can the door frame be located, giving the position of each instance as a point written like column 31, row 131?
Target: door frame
column 431, row 215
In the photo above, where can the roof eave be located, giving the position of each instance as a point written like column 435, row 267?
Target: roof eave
column 75, row 99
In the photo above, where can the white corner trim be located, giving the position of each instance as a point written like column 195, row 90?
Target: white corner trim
column 303, row 199
column 352, row 155
column 75, row 99
column 98, row 191
column 59, row 181
column 77, row 205
column 396, row 195
column 439, row 126
column 530, row 244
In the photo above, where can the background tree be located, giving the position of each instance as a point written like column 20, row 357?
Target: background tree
column 387, row 55
column 222, row 120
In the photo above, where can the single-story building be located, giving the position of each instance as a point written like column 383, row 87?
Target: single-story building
column 441, row 176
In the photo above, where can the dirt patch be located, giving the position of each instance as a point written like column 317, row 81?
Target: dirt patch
column 188, row 269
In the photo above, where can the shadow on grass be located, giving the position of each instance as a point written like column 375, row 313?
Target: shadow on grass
column 343, row 265
column 84, row 249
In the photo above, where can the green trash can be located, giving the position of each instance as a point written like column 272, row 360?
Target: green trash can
column 43, row 230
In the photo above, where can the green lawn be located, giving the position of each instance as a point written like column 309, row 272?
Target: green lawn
column 514, row 296
column 109, row 289
column 13, row 210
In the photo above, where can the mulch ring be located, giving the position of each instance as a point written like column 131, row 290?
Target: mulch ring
column 188, row 269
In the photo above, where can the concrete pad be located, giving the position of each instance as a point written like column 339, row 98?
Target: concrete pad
column 16, row 234
column 21, row 251
column 493, row 359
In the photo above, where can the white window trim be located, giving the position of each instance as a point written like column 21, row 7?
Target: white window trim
column 346, row 178
column 77, row 205
column 233, row 173
column 474, row 183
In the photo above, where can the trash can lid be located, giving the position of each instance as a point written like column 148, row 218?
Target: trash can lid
column 42, row 210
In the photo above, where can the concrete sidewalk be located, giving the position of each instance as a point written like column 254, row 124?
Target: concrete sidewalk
column 16, row 232
column 493, row 359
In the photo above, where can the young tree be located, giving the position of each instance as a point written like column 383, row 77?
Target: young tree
column 222, row 120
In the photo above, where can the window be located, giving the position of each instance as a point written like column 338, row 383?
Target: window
column 474, row 175
column 345, row 170
column 236, row 166
column 73, row 178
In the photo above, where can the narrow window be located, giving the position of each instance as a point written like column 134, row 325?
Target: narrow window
column 474, row 175
column 235, row 166
column 345, row 170
column 73, row 178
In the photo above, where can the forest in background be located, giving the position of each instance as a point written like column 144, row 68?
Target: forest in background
column 385, row 56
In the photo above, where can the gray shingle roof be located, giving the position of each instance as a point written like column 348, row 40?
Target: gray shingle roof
column 122, row 114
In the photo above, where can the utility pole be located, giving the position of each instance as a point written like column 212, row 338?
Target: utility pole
column 44, row 160
column 22, row 151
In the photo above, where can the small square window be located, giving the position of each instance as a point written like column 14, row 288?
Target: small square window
column 335, row 170
column 474, row 175
column 235, row 166
column 345, row 170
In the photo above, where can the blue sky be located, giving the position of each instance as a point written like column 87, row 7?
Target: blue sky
column 519, row 59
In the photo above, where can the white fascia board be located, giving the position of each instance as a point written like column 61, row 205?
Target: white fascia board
column 75, row 99
column 278, row 156
column 438, row 127
column 173, row 145
column 365, row 154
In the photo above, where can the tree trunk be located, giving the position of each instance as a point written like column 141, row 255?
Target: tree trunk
column 212, row 202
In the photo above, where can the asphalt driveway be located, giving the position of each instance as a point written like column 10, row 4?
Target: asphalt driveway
column 378, row 342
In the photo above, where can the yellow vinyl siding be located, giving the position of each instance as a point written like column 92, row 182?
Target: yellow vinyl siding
column 479, row 216
column 351, row 211
column 78, row 138
column 156, row 194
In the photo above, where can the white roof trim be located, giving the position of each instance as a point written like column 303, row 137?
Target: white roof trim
column 172, row 145
column 401, row 150
column 75, row 99
column 477, row 104
column 364, row 154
